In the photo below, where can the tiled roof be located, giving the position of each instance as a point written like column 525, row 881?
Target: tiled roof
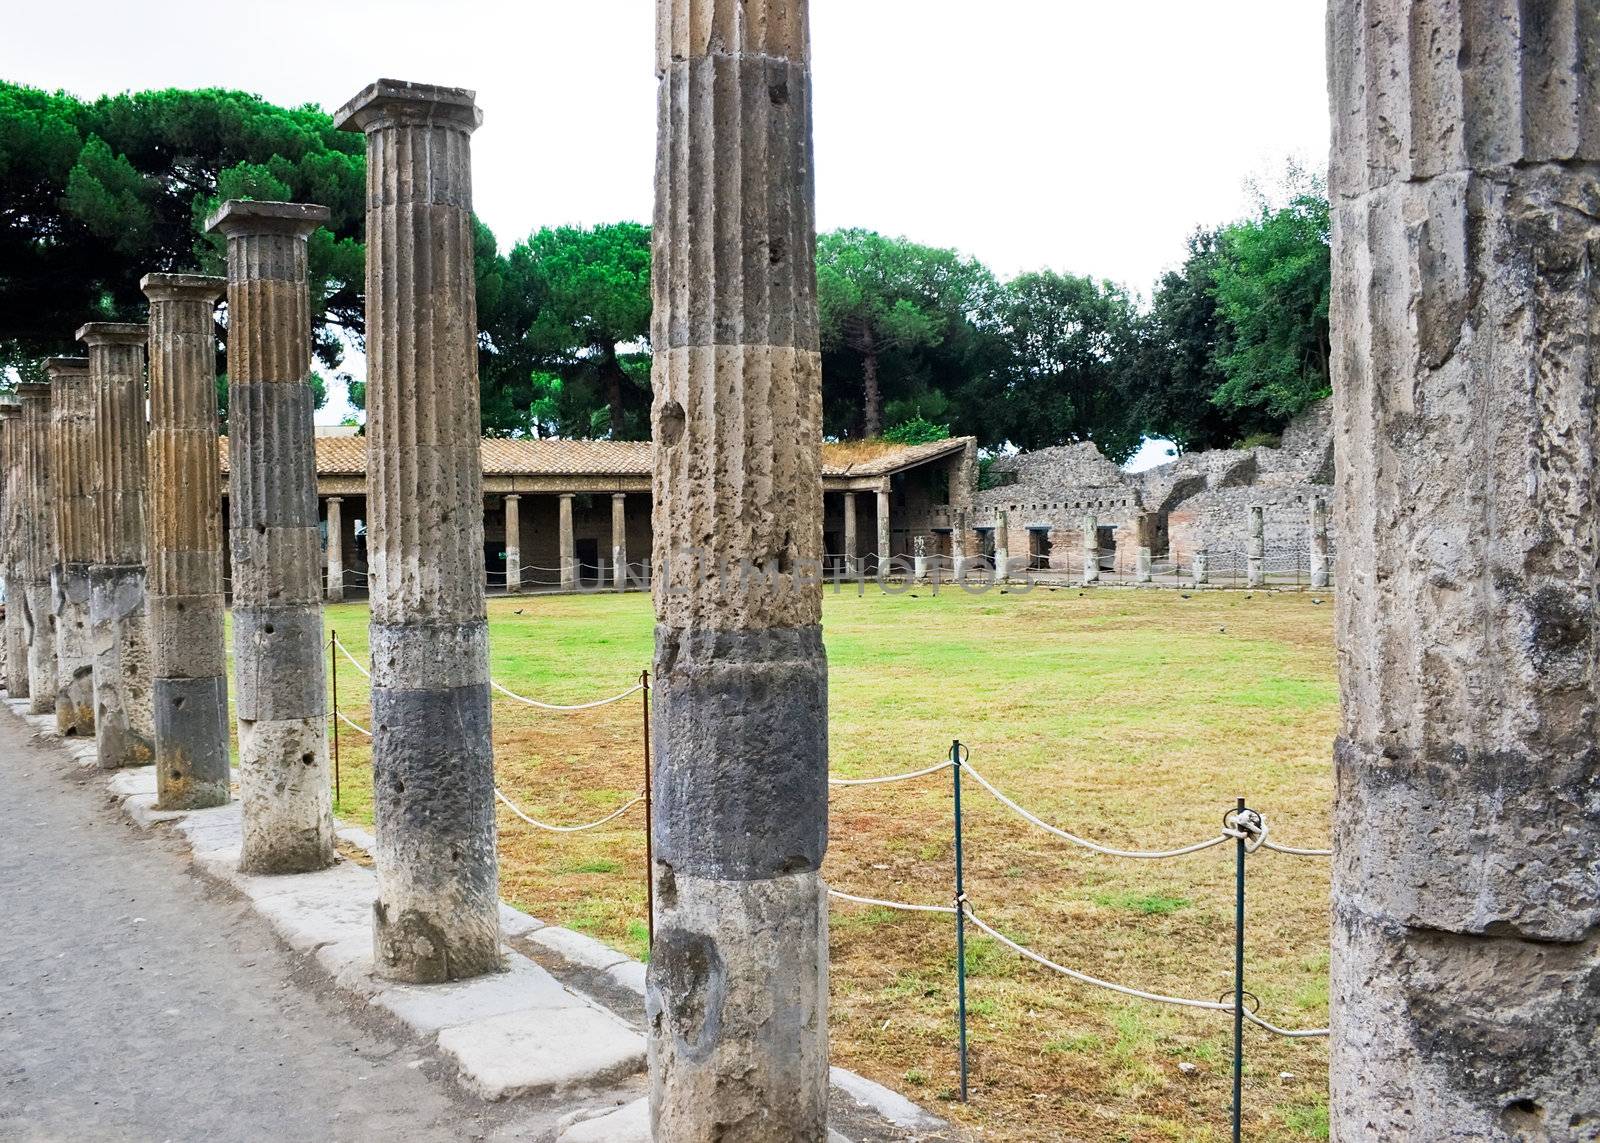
column 347, row 456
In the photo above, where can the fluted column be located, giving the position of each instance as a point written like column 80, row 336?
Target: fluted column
column 569, row 558
column 186, row 604
column 437, row 914
column 885, row 541
column 38, row 616
column 513, row 514
column 124, row 713
column 1256, row 548
column 280, row 692
column 71, row 449
column 1319, row 542
column 1091, row 550
column 1466, row 381
column 619, row 540
column 737, row 987
column 852, row 539
column 1002, row 546
column 335, row 553
column 16, row 648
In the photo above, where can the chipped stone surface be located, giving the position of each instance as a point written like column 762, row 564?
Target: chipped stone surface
column 1466, row 208
column 521, row 985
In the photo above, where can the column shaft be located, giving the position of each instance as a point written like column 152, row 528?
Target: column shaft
column 38, row 615
column 569, row 559
column 1465, row 309
column 1002, row 545
column 737, row 987
column 885, row 539
column 1202, row 567
column 1091, row 550
column 513, row 513
column 71, row 449
column 186, row 605
column 335, row 541
column 619, row 540
column 1319, row 542
column 1256, row 548
column 280, row 681
column 437, row 915
column 851, row 540
column 16, row 648
column 124, row 715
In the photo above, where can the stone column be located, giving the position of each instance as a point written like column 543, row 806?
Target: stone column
column 1002, row 542
column 335, row 549
column 280, row 693
column 513, row 515
column 960, row 545
column 852, row 540
column 919, row 559
column 124, row 714
column 1256, row 551
column 1141, row 573
column 1319, row 542
column 1091, row 550
column 71, row 449
column 39, row 548
column 186, row 605
column 1465, row 304
column 437, row 916
column 16, row 650
column 884, row 537
column 737, row 987
column 1202, row 571
column 569, row 559
column 619, row 540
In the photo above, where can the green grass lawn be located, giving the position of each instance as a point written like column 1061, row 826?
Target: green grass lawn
column 1131, row 717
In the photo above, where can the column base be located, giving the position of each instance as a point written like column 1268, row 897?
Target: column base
column 192, row 763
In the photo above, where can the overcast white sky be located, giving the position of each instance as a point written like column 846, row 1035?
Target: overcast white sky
column 1083, row 135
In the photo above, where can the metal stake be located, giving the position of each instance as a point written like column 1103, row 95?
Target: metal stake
column 1238, row 973
column 333, row 667
column 961, row 923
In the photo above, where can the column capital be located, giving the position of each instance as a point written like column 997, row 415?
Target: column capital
column 399, row 102
column 245, row 217
column 619, row 496
column 567, row 495
column 9, row 410
column 60, row 368
column 112, row 333
column 183, row 287
column 37, row 390
column 513, row 496
column 334, row 499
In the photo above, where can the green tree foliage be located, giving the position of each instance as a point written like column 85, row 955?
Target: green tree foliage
column 916, row 431
column 1072, row 341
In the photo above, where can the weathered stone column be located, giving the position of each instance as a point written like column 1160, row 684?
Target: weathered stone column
column 1002, row 546
column 71, row 451
column 619, row 540
column 335, row 549
column 39, row 547
column 1466, row 899
column 852, row 541
column 437, row 915
column 1256, row 549
column 1141, row 571
column 280, row 694
column 513, row 515
column 124, row 712
column 919, row 558
column 1091, row 550
column 1319, row 542
column 961, row 545
column 186, row 606
column 737, row 988
column 569, row 557
column 16, row 649
column 885, row 540
column 1202, row 569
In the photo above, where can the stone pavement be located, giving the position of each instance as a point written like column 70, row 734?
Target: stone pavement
column 147, row 991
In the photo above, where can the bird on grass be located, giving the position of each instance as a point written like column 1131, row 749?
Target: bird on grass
column 518, row 611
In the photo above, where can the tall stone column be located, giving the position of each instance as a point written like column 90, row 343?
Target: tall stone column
column 1141, row 567
column 186, row 606
column 437, row 914
column 852, row 542
column 1091, row 550
column 1466, row 902
column 737, row 987
column 39, row 548
column 124, row 711
column 569, row 556
column 71, row 450
column 960, row 545
column 1319, row 542
column 16, row 649
column 1002, row 546
column 513, row 514
column 885, row 539
column 1202, row 567
column 280, row 692
column 619, row 540
column 335, row 593
column 1256, row 550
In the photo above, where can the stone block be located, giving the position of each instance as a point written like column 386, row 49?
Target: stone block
column 577, row 948
column 431, row 1007
column 543, row 1050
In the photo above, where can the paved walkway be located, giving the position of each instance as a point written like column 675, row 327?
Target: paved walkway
column 139, row 1003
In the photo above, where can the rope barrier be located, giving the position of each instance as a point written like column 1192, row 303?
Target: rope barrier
column 945, row 765
column 519, row 812
column 633, row 690
column 351, row 723
column 354, row 662
column 900, row 905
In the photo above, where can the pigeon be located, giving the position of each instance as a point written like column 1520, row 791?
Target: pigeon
column 1184, row 594
column 518, row 611
column 1222, row 630
column 914, row 595
column 1317, row 602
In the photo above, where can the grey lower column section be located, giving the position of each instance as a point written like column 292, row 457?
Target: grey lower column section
column 74, row 653
column 437, row 915
column 71, row 460
column 38, row 611
column 124, row 713
column 1465, row 975
column 276, row 541
column 1202, row 567
column 1256, row 548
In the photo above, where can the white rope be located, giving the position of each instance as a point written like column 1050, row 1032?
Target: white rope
column 1139, row 993
column 514, row 808
column 1145, row 854
column 901, row 905
column 945, row 765
column 633, row 690
column 1296, row 851
column 351, row 723
column 354, row 662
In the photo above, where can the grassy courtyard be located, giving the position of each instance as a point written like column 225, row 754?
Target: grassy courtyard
column 1133, row 718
